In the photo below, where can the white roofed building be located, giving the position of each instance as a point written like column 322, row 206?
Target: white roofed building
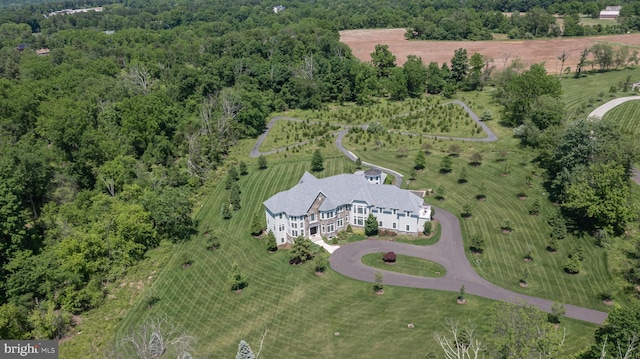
column 323, row 207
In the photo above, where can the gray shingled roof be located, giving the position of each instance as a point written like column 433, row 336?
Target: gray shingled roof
column 341, row 189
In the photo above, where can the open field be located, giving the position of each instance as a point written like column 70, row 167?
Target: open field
column 586, row 20
column 626, row 116
column 363, row 42
column 405, row 264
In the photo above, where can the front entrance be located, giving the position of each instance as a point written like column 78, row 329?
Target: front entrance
column 313, row 230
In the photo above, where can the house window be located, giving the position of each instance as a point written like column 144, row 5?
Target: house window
column 294, row 233
column 323, row 229
column 280, row 215
column 374, row 210
column 301, row 225
column 302, row 232
column 281, row 240
column 294, row 225
column 281, row 227
column 358, row 221
column 408, row 213
column 379, row 223
column 312, row 217
column 340, row 223
column 395, row 211
column 330, row 228
column 408, row 228
column 360, row 209
column 395, row 225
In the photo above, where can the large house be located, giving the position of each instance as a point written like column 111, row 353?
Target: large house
column 323, row 207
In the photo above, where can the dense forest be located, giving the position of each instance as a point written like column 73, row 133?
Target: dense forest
column 104, row 140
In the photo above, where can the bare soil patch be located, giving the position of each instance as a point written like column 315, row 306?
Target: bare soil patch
column 363, row 42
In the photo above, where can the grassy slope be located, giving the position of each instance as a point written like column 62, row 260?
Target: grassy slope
column 625, row 116
column 301, row 311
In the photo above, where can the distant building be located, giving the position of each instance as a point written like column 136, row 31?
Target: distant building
column 610, row 12
column 22, row 47
column 109, row 32
column 75, row 11
column 278, row 9
column 43, row 52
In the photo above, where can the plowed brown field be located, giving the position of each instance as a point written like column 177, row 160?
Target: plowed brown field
column 363, row 42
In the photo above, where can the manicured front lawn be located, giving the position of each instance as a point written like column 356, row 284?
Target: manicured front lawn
column 405, row 264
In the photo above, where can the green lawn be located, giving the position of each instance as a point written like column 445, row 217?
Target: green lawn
column 300, row 310
column 502, row 262
column 585, row 94
column 405, row 264
column 626, row 116
column 586, row 20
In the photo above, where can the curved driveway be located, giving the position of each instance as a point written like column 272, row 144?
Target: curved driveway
column 601, row 110
column 449, row 251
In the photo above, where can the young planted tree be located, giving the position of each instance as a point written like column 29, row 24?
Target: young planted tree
column 446, row 165
column 524, row 279
column 377, row 287
column 320, row 263
column 558, row 227
column 557, row 311
column 420, row 162
column 461, row 294
column 412, row 173
column 454, row 150
column 466, row 210
column 262, row 162
column 237, row 279
column 358, row 163
column 477, row 244
column 552, row 245
column 317, row 162
column 371, row 225
column 481, row 196
column 505, row 226
column 462, row 177
column 440, row 191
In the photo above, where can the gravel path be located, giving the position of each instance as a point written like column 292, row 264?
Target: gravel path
column 449, row 252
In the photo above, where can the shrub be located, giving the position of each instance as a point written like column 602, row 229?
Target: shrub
column 349, row 229
column 300, row 251
column 557, row 311
column 389, row 257
column 573, row 265
column 534, row 210
column 378, row 282
column 427, row 228
column 552, row 245
column 476, row 159
column 236, row 278
column 320, row 263
column 506, row 225
column 486, row 116
column 371, row 226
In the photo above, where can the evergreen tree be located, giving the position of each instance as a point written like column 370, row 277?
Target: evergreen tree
column 243, row 168
column 371, row 226
column 358, row 163
column 446, row 164
column 420, row 162
column 462, row 177
column 317, row 161
column 477, row 243
column 459, row 65
column 262, row 162
column 427, row 228
column 378, row 279
column 244, row 351
column 535, row 208
column 237, row 279
column 300, row 251
column 559, row 228
column 256, row 225
column 234, row 197
column 272, row 245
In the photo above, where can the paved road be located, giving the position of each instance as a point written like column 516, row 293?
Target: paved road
column 449, row 252
column 599, row 112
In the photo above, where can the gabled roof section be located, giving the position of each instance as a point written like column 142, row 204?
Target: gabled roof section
column 340, row 190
